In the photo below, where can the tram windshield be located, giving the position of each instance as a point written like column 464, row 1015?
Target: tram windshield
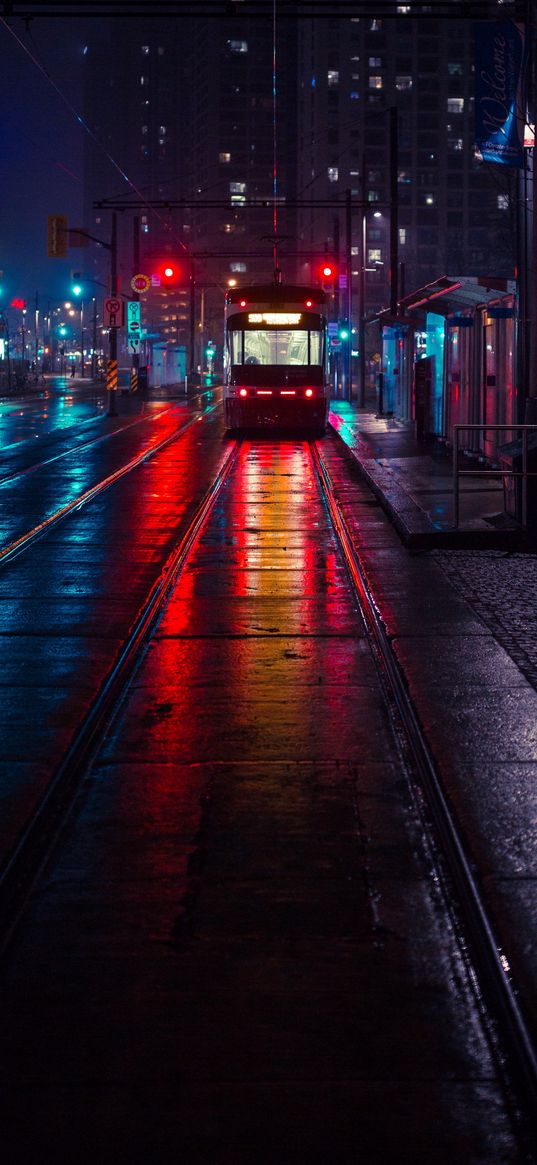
column 281, row 346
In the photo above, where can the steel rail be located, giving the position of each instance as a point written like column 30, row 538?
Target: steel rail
column 78, row 448
column 97, row 440
column 495, row 978
column 35, row 845
column 8, row 553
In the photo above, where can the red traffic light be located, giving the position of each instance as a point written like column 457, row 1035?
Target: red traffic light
column 327, row 271
column 171, row 273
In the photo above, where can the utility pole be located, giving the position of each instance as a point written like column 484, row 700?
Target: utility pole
column 135, row 296
column 94, row 341
column 394, row 212
column 111, row 373
column 192, row 321
column 348, row 267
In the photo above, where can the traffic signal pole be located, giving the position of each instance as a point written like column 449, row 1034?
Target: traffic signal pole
column 136, row 268
column 192, row 321
column 111, row 372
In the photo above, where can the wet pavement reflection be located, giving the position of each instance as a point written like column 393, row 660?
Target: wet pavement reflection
column 240, row 924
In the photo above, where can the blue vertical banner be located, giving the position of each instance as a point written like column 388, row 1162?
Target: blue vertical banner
column 500, row 109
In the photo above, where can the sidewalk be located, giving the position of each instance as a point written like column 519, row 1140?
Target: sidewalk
column 413, row 481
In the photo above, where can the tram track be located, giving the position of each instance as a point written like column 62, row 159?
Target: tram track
column 38, row 838
column 91, row 444
column 75, row 449
column 26, row 540
column 42, row 832
column 494, row 977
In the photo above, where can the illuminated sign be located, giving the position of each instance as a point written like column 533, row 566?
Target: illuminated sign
column 274, row 317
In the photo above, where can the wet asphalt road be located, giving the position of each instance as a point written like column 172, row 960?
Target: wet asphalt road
column 238, row 952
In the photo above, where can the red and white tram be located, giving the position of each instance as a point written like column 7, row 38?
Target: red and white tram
column 275, row 354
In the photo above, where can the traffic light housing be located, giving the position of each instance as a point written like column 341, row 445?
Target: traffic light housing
column 327, row 272
column 77, row 284
column 171, row 273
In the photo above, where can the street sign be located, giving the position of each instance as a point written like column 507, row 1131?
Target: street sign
column 113, row 312
column 140, row 283
column 133, row 317
column 57, row 236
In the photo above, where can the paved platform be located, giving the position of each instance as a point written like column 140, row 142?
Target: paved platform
column 413, row 480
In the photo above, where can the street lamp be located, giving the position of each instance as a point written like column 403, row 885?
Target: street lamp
column 77, row 291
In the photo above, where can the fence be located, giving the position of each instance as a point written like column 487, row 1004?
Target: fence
column 520, row 449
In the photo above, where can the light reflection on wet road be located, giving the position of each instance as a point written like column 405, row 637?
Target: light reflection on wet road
column 58, row 404
column 240, row 925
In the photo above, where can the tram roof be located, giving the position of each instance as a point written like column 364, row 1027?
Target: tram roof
column 275, row 293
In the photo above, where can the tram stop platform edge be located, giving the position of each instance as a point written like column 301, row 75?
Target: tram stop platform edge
column 413, row 481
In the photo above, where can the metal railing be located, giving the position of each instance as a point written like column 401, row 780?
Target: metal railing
column 502, row 472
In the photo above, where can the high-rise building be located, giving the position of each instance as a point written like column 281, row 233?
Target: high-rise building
column 454, row 213
column 218, row 116
column 136, row 110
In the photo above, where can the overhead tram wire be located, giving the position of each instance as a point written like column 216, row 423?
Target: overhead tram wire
column 262, row 9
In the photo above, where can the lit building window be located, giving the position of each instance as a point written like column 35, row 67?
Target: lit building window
column 374, row 255
column 375, row 63
column 332, row 78
column 238, row 267
column 224, row 157
column 143, row 80
column 238, row 198
column 402, row 236
column 403, row 82
column 429, row 199
column 354, row 96
column 455, row 144
column 503, row 201
column 355, row 250
column 238, row 46
column 373, row 196
column 145, row 50
column 145, row 129
column 404, row 177
column 455, row 69
column 455, row 104
column 375, row 82
column 375, row 26
column 333, row 173
column 237, row 187
column 162, row 129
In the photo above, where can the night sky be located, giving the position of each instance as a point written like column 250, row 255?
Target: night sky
column 42, row 152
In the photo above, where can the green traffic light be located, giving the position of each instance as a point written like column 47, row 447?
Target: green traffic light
column 343, row 333
column 77, row 289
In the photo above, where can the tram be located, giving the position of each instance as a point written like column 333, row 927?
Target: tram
column 275, row 353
